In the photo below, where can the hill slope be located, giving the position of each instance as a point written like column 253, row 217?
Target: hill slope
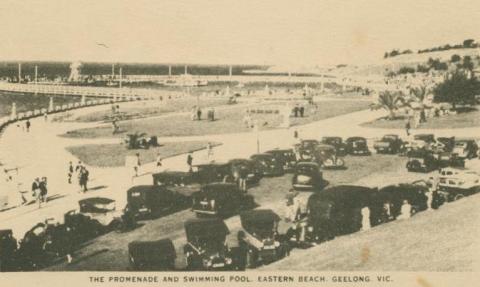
column 441, row 240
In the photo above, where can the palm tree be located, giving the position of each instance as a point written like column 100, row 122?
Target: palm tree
column 390, row 101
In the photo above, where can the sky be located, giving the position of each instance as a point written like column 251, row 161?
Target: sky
column 294, row 33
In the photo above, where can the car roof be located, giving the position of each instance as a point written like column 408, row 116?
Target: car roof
column 146, row 188
column 260, row 155
column 280, row 150
column 162, row 247
column 356, row 139
column 331, row 137
column 205, row 226
column 211, row 164
column 258, row 216
column 170, row 173
column 96, row 200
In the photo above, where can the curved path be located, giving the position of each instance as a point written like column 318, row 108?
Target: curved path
column 42, row 153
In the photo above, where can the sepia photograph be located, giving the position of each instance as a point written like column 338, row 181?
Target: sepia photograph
column 213, row 142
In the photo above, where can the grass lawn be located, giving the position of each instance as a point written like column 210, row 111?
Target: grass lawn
column 28, row 102
column 460, row 120
column 113, row 155
column 228, row 121
column 150, row 108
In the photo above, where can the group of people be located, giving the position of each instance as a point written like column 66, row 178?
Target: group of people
column 39, row 191
column 82, row 175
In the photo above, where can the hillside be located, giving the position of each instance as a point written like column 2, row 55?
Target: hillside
column 442, row 240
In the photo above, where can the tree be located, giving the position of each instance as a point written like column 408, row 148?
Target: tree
column 467, row 63
column 457, row 89
column 469, row 43
column 390, row 101
column 455, row 58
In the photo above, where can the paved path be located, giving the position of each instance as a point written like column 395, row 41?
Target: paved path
column 42, row 153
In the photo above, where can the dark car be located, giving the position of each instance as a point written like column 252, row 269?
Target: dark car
column 104, row 211
column 268, row 164
column 174, row 178
column 248, row 168
column 307, row 176
column 427, row 138
column 421, row 161
column 357, row 146
column 221, row 199
column 395, row 195
column 150, row 201
column 206, row 248
column 392, row 144
column 337, row 142
column 259, row 239
column 8, row 251
column 306, row 148
column 325, row 155
column 449, row 159
column 212, row 172
column 286, row 157
column 337, row 211
column 465, row 148
column 444, row 144
column 158, row 255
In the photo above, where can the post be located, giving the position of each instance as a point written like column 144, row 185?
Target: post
column 120, row 74
column 13, row 114
column 169, row 70
column 113, row 71
column 50, row 105
column 257, row 132
column 19, row 72
column 230, row 71
column 186, row 70
column 36, row 74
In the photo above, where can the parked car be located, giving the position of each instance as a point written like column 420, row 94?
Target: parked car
column 449, row 159
column 104, row 211
column 150, row 201
column 357, row 146
column 268, row 164
column 444, row 144
column 389, row 144
column 427, row 138
column 259, row 239
column 206, row 248
column 248, row 167
column 174, row 178
column 420, row 142
column 286, row 157
column 305, row 149
column 422, row 161
column 140, row 141
column 455, row 183
column 395, row 195
column 308, row 176
column 337, row 142
column 8, row 251
column 335, row 211
column 326, row 157
column 465, row 148
column 212, row 172
column 221, row 199
column 158, row 255
column 201, row 174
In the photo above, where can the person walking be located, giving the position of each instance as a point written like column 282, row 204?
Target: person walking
column 406, row 210
column 190, row 161
column 407, row 128
column 136, row 166
column 209, row 151
column 199, row 114
column 242, row 180
column 70, row 172
column 83, row 180
column 159, row 161
column 27, row 125
column 36, row 190
column 43, row 190
column 365, row 218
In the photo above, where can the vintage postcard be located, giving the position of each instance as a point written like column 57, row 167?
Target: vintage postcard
column 243, row 143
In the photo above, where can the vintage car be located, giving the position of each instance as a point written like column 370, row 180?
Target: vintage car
column 357, row 146
column 150, row 201
column 456, row 183
column 248, row 168
column 465, row 148
column 305, row 149
column 8, row 251
column 337, row 142
column 421, row 161
column 104, row 211
column 420, row 142
column 286, row 157
column 206, row 247
column 395, row 195
column 268, row 164
column 308, row 176
column 444, row 144
column 201, row 174
column 259, row 239
column 449, row 159
column 158, row 255
column 221, row 199
column 325, row 155
column 427, row 138
column 392, row 144
column 140, row 141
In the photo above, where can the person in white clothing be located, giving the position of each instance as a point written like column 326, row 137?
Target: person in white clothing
column 365, row 219
column 406, row 210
